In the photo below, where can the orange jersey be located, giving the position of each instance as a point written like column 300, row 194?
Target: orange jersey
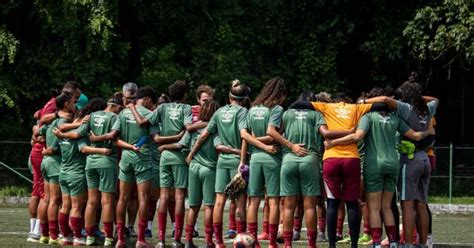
column 341, row 116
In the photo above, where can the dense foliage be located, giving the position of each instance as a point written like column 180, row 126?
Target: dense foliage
column 323, row 45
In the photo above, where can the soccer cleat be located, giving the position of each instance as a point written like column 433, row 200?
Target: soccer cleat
column 79, row 242
column 130, row 232
column 370, row 242
column 296, row 235
column 90, row 241
column 376, row 245
column 190, row 245
column 393, row 245
column 230, row 234
column 98, row 233
column 148, row 233
column 160, row 244
column 195, row 234
column 364, row 239
column 67, row 241
column 54, row 242
column 263, row 236
column 44, row 239
column 338, row 237
column 429, row 240
column 345, row 240
column 143, row 244
column 121, row 244
column 109, row 242
column 33, row 238
column 177, row 244
column 321, row 237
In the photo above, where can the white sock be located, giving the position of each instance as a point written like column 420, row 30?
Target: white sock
column 32, row 224
column 150, row 225
column 195, row 228
column 36, row 230
column 172, row 225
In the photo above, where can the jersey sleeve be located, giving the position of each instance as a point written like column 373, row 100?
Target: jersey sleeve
column 362, row 109
column 42, row 130
column 212, row 125
column 319, row 106
column 319, row 120
column 403, row 127
column 188, row 115
column 155, row 129
column 432, row 106
column 49, row 108
column 364, row 124
column 217, row 141
column 81, row 143
column 155, row 117
column 403, row 110
column 83, row 130
column 185, row 140
column 275, row 116
column 116, row 125
column 242, row 118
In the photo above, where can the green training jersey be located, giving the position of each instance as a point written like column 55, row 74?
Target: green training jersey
column 173, row 118
column 227, row 122
column 101, row 122
column 73, row 162
column 52, row 141
column 131, row 133
column 302, row 127
column 155, row 153
column 381, row 140
column 207, row 154
column 259, row 118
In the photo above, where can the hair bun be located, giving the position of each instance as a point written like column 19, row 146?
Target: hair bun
column 235, row 83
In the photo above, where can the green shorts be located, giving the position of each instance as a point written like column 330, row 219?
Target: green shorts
column 299, row 178
column 202, row 181
column 73, row 185
column 104, row 179
column 223, row 177
column 135, row 176
column 264, row 176
column 174, row 176
column 50, row 169
column 378, row 178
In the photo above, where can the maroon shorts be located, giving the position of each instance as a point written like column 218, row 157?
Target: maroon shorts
column 38, row 180
column 342, row 178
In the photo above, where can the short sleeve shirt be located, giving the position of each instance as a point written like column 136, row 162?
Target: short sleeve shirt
column 206, row 155
column 342, row 116
column 227, row 122
column 259, row 118
column 173, row 118
column 73, row 162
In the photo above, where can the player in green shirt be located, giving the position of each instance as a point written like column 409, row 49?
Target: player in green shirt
column 135, row 166
column 202, row 174
column 101, row 167
column 231, row 125
column 174, row 117
column 265, row 167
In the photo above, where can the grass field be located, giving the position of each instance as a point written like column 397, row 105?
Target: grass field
column 448, row 229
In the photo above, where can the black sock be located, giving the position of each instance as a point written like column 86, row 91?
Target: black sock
column 331, row 219
column 396, row 215
column 430, row 220
column 353, row 216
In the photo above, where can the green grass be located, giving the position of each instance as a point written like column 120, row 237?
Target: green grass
column 465, row 200
column 453, row 229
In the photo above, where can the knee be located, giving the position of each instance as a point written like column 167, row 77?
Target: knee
column 421, row 207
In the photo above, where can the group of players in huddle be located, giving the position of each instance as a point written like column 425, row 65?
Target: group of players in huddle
column 164, row 151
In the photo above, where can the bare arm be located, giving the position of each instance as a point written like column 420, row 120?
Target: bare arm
column 48, row 118
column 348, row 139
column 138, row 118
column 104, row 137
column 430, row 98
column 226, row 149
column 392, row 103
column 171, row 147
column 160, row 140
column 48, row 151
column 200, row 140
column 195, row 126
column 124, row 145
column 417, row 136
column 243, row 153
column 267, row 139
column 298, row 149
column 69, row 135
column 253, row 141
column 95, row 150
column 332, row 134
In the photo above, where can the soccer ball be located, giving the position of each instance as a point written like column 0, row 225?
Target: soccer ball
column 244, row 240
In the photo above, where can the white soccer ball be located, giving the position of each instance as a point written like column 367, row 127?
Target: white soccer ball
column 244, row 240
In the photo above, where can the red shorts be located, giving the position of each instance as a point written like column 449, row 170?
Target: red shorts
column 342, row 178
column 38, row 180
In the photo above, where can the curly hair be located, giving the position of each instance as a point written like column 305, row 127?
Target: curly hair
column 323, row 97
column 411, row 92
column 204, row 88
column 272, row 93
column 208, row 109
